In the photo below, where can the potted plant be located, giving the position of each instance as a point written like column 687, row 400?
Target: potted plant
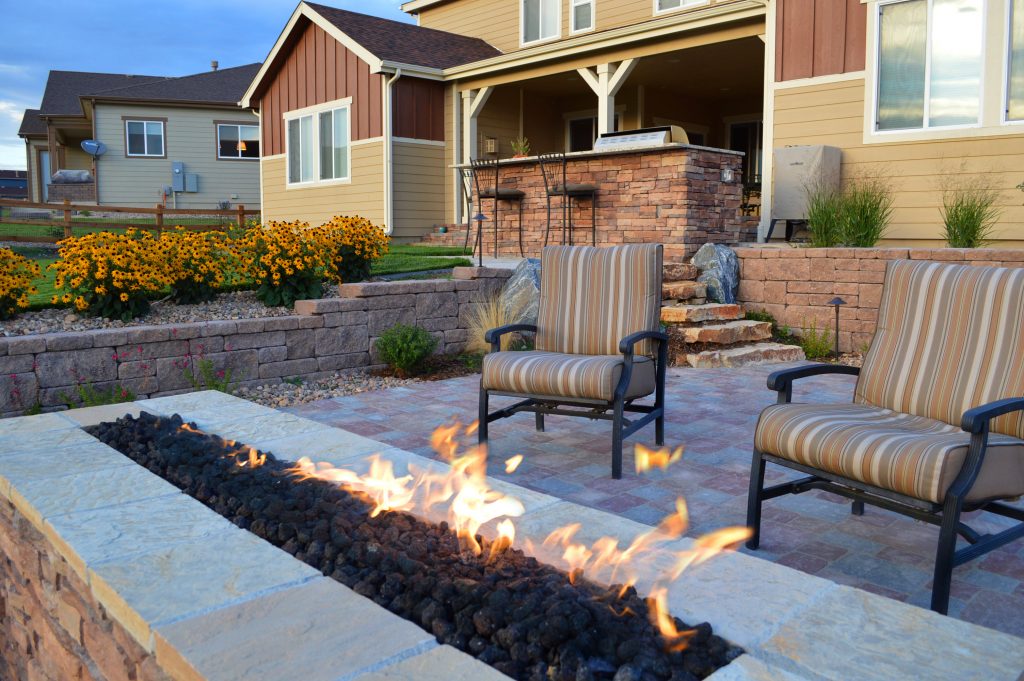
column 520, row 147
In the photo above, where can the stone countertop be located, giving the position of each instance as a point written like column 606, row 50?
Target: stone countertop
column 587, row 155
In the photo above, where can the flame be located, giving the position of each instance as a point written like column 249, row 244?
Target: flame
column 255, row 459
column 675, row 640
column 506, row 535
column 646, row 459
column 512, row 463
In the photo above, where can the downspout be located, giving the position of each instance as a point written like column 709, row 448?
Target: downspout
column 389, row 209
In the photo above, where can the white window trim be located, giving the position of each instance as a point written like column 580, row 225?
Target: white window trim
column 573, row 4
column 145, row 139
column 239, row 126
column 539, row 41
column 1004, row 96
column 682, row 5
column 315, row 111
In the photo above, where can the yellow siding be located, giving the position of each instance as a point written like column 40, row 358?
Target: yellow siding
column 419, row 188
column 76, row 159
column 364, row 196
column 500, row 120
column 450, row 179
column 833, row 114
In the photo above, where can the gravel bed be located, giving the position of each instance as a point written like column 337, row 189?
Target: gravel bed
column 236, row 305
column 348, row 383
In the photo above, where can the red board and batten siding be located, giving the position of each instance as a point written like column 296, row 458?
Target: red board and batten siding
column 819, row 38
column 418, row 109
column 317, row 69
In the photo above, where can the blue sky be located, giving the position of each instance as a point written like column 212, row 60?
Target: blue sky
column 117, row 36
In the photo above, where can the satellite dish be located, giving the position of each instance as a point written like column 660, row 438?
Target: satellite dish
column 94, row 148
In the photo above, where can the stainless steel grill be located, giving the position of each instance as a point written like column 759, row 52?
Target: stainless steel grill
column 642, row 138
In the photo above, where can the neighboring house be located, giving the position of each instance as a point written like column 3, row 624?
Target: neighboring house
column 912, row 91
column 13, row 184
column 151, row 126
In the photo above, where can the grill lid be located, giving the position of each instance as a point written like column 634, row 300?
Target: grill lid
column 642, row 138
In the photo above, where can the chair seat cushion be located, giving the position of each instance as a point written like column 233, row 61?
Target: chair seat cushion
column 503, row 193
column 574, row 189
column 554, row 374
column 912, row 455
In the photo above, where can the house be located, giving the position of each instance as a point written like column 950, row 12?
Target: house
column 13, row 184
column 182, row 142
column 743, row 75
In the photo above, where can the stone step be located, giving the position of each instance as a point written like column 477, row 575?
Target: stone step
column 740, row 331
column 709, row 312
column 683, row 290
column 679, row 271
column 746, row 355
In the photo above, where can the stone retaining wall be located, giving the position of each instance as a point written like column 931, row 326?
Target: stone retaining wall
column 795, row 284
column 321, row 338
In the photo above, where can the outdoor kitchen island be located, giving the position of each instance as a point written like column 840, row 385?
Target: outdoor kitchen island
column 680, row 195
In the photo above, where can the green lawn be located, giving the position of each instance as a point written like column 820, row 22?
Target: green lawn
column 421, row 249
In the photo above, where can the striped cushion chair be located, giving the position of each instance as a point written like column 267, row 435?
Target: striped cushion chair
column 597, row 329
column 936, row 427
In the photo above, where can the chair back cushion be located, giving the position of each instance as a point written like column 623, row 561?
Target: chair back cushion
column 591, row 298
column 949, row 338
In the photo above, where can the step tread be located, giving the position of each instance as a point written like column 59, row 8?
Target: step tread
column 701, row 313
column 728, row 333
column 746, row 355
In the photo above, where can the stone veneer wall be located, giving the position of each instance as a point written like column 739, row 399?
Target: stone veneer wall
column 795, row 284
column 321, row 338
column 53, row 628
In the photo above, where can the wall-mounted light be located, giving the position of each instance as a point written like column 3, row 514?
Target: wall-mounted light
column 836, row 303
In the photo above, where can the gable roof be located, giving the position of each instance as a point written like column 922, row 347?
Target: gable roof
column 404, row 43
column 223, row 86
column 32, row 124
column 63, row 89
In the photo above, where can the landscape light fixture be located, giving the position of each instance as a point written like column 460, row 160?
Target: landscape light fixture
column 480, row 217
column 836, row 302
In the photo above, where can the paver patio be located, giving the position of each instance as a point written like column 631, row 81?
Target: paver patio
column 713, row 413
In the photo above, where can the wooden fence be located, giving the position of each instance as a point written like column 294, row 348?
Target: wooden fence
column 161, row 217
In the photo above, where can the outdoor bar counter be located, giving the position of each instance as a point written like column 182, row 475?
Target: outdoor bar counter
column 680, row 195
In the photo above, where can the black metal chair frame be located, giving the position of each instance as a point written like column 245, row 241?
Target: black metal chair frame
column 482, row 166
column 946, row 516
column 618, row 407
column 466, row 179
column 554, row 188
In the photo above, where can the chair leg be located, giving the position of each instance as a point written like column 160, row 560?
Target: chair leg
column 547, row 230
column 754, row 500
column 857, row 508
column 481, row 429
column 593, row 222
column 521, row 253
column 495, row 229
column 943, row 577
column 568, row 201
column 617, row 418
column 540, row 422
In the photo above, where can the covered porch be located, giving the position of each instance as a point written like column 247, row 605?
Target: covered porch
column 63, row 151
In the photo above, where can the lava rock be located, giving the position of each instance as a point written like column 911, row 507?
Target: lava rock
column 719, row 271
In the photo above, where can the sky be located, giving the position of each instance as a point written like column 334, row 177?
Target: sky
column 120, row 36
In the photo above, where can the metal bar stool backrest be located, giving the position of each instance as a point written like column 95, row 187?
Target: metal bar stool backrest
column 553, row 168
column 485, row 176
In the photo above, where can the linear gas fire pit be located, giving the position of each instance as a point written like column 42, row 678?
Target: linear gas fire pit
column 183, row 593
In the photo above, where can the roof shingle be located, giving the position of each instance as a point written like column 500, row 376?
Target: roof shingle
column 63, row 89
column 31, row 124
column 224, row 86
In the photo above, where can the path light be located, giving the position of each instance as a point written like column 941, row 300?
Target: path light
column 480, row 217
column 836, row 302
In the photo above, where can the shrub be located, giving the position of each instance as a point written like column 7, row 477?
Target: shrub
column 969, row 214
column 208, row 378
column 403, row 348
column 286, row 260
column 110, row 275
column 89, row 396
column 857, row 215
column 16, row 276
column 783, row 334
column 491, row 314
column 816, row 344
column 359, row 243
column 197, row 263
column 824, row 216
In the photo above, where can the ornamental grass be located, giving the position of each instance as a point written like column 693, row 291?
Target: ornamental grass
column 16, row 276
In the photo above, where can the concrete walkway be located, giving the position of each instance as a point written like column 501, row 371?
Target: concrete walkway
column 713, row 413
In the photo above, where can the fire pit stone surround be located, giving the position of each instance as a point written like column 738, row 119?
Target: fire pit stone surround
column 102, row 517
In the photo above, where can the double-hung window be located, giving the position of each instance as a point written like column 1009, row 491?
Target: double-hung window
column 144, row 138
column 929, row 64
column 540, row 20
column 582, row 15
column 235, row 140
column 318, row 144
column 669, row 5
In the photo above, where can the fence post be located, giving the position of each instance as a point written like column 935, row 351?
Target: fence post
column 241, row 216
column 159, row 219
column 67, row 218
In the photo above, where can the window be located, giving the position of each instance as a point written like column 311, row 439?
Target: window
column 318, row 144
column 929, row 64
column 540, row 20
column 238, row 141
column 669, row 5
column 334, row 144
column 582, row 132
column 144, row 138
column 1015, row 68
column 582, row 15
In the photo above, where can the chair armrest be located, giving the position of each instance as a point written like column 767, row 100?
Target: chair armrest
column 627, row 343
column 782, row 381
column 976, row 420
column 494, row 335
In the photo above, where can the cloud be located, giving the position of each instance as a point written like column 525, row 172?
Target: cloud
column 11, row 111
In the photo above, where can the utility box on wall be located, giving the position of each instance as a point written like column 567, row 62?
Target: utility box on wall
column 799, row 169
column 191, row 182
column 177, row 176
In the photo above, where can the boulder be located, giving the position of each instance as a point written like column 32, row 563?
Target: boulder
column 719, row 271
column 520, row 296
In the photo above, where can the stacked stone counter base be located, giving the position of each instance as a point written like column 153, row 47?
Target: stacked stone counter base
column 322, row 337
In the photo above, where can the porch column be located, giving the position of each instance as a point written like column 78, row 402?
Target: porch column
column 606, row 80
column 473, row 102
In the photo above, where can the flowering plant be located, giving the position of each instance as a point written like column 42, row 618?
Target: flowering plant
column 198, row 263
column 286, row 260
column 16, row 275
column 359, row 243
column 110, row 275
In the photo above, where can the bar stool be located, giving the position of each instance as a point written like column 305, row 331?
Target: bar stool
column 485, row 176
column 553, row 168
column 466, row 180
